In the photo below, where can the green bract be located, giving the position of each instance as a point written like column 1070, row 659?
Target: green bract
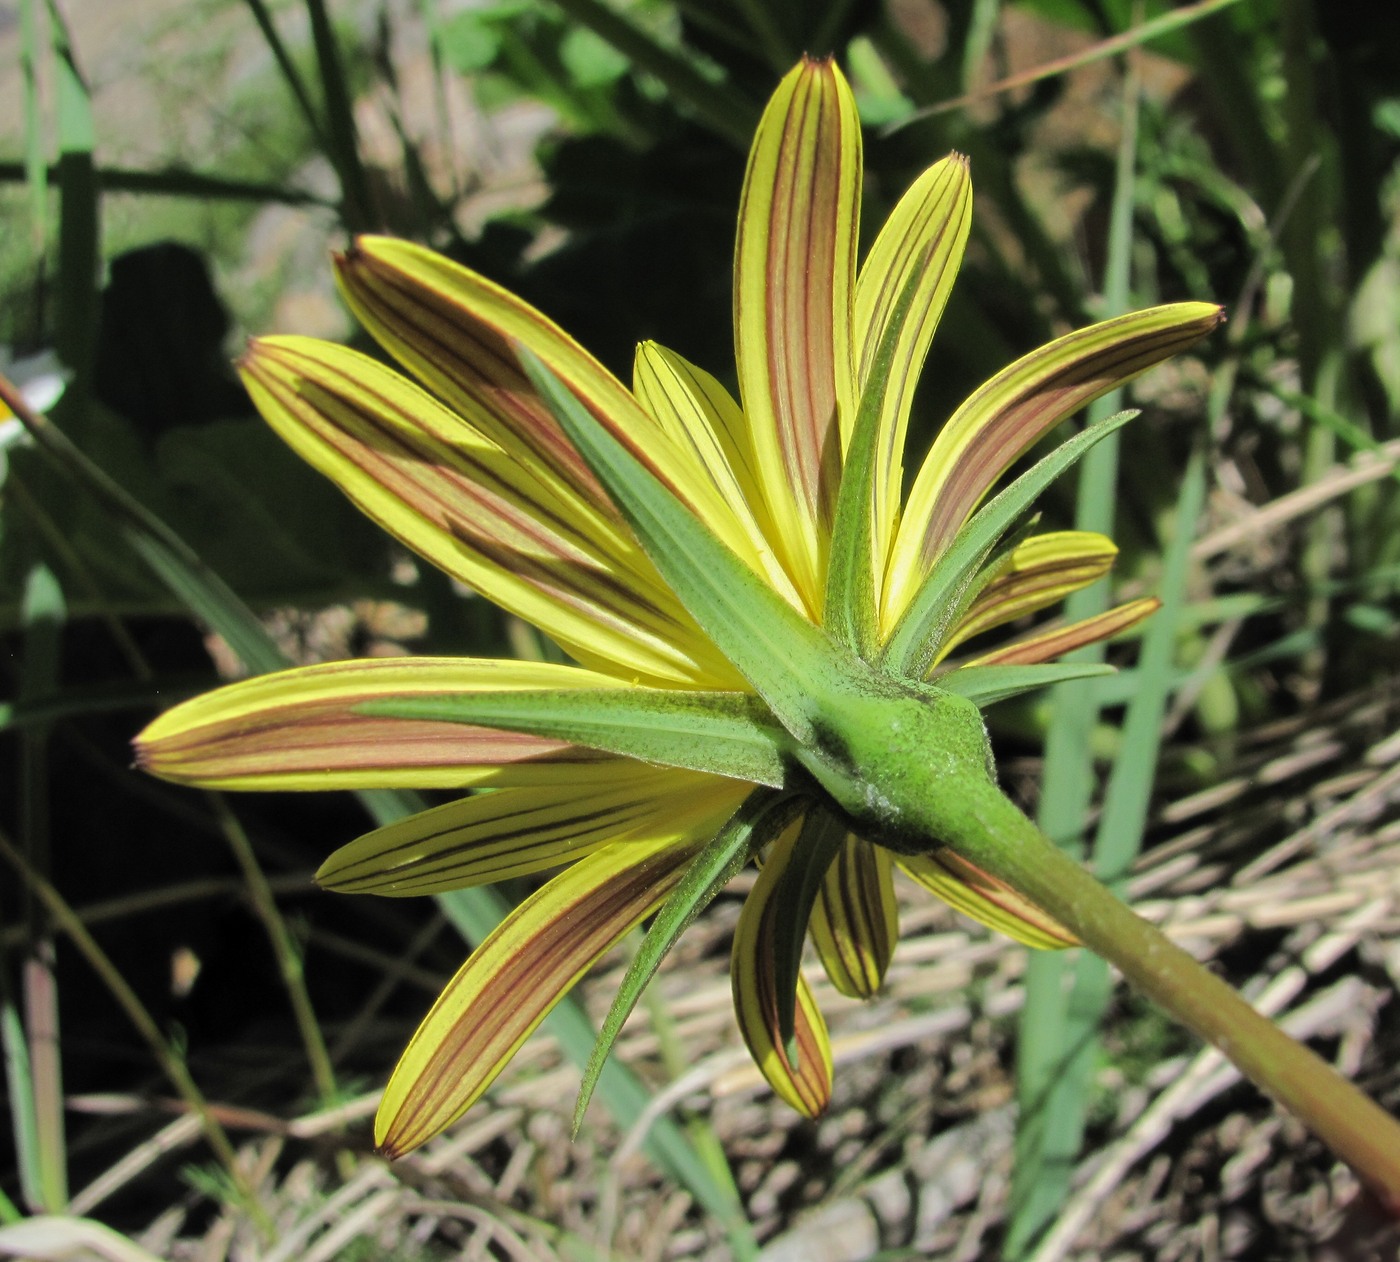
column 762, row 626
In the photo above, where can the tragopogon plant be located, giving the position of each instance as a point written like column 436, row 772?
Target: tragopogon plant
column 763, row 628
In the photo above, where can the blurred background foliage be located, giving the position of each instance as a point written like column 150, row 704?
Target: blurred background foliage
column 174, row 173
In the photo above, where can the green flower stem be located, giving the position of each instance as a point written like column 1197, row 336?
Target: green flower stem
column 911, row 766
column 1001, row 840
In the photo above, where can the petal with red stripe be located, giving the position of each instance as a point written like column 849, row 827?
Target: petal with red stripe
column 512, row 981
column 794, row 276
column 302, row 729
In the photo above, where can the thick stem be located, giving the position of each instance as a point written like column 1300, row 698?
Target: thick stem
column 1001, row 840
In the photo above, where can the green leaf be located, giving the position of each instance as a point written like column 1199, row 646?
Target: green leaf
column 788, row 660
column 850, row 612
column 915, row 641
column 758, row 820
column 716, row 106
column 726, row 733
column 986, row 685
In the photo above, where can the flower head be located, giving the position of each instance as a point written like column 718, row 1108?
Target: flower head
column 695, row 555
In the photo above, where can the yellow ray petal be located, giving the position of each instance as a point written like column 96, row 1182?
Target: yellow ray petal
column 513, row 979
column 909, row 271
column 298, row 729
column 806, row 1086
column 794, row 274
column 456, row 331
column 1042, row 571
column 985, row 899
column 456, row 498
column 1048, row 645
column 855, row 920
column 1005, row 416
column 703, row 419
column 514, row 832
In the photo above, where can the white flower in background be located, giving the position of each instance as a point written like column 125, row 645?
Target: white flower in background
column 41, row 379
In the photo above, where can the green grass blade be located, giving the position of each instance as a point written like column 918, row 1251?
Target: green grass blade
column 43, row 613
column 164, row 1052
column 19, row 1082
column 291, row 76
column 341, row 137
column 1145, row 32
column 76, row 317
column 35, row 169
column 172, row 560
column 715, row 105
column 1051, row 1100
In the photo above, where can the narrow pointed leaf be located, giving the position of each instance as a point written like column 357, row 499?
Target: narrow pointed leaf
column 854, row 922
column 986, row 685
column 762, row 816
column 926, row 622
column 787, row 659
column 512, row 981
column 1023, row 402
column 982, row 897
column 515, row 832
column 851, row 611
column 794, row 271
column 725, row 733
column 302, row 729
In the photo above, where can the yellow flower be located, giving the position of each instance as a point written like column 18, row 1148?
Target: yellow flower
column 476, row 475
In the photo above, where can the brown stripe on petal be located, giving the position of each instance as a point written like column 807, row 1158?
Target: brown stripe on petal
column 328, row 742
column 1017, row 427
column 998, row 894
column 806, row 1085
column 432, row 461
column 852, row 920
column 810, row 1077
column 432, row 314
column 469, row 843
column 1022, row 592
column 1049, row 645
column 466, row 361
column 1003, row 418
column 512, row 981
column 807, row 252
column 429, row 479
